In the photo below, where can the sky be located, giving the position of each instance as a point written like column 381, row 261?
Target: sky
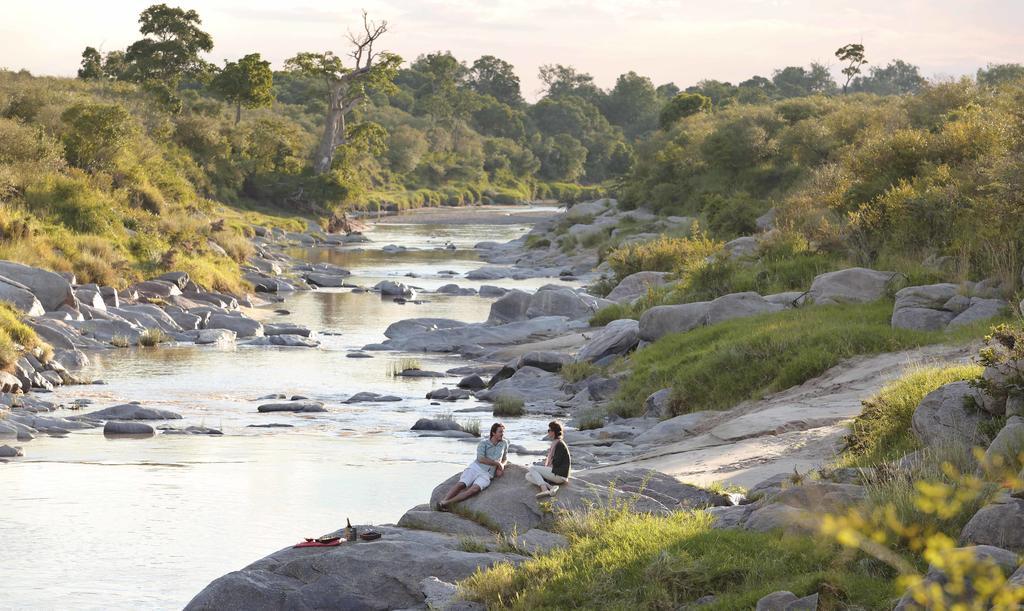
column 669, row 41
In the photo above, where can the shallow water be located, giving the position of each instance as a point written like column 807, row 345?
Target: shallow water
column 96, row 523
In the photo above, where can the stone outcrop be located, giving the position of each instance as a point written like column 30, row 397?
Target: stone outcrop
column 853, row 285
column 51, row 289
column 663, row 320
column 636, row 285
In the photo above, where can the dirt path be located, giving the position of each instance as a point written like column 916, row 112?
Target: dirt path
column 800, row 428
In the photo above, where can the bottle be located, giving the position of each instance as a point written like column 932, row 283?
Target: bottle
column 348, row 530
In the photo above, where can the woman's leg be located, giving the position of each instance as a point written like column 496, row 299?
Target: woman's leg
column 534, row 477
column 549, row 475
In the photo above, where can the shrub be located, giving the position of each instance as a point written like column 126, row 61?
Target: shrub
column 74, row 203
column 506, row 406
column 153, row 337
column 16, row 337
column 664, row 254
column 590, row 420
column 576, row 372
column 96, row 134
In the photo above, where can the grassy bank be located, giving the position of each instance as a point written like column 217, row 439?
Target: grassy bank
column 718, row 366
column 16, row 336
column 619, row 560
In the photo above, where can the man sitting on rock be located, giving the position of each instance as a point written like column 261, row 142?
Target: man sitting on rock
column 491, row 457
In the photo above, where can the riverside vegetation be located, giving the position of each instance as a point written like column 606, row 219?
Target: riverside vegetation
column 739, row 202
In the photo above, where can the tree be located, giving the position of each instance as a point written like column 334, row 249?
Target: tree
column 897, row 78
column 496, row 77
column 853, row 54
column 667, row 91
column 169, row 52
column 247, row 82
column 92, row 65
column 95, row 135
column 683, row 105
column 720, row 93
column 632, row 104
column 439, row 86
column 347, row 87
column 796, row 81
column 994, row 75
column 562, row 80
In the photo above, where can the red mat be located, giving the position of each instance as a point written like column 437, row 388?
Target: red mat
column 318, row 544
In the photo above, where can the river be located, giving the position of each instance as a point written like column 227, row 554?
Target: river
column 97, row 523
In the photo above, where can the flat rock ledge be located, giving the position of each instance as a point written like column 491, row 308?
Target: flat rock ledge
column 376, row 575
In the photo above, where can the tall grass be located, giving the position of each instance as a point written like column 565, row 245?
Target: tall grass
column 718, row 366
column 16, row 337
column 404, row 364
column 506, row 406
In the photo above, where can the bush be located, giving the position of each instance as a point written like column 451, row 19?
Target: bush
column 74, row 203
column 664, row 254
column 576, row 372
column 153, row 337
column 506, row 406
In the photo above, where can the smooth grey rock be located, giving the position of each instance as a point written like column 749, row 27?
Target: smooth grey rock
column 71, row 359
column 745, row 246
column 292, row 406
column 950, row 414
column 436, row 424
column 853, row 285
column 422, row 517
column 510, row 307
column 51, row 289
column 729, row 516
column 560, row 302
column 215, row 336
column 921, row 319
column 395, row 289
column 766, row 221
column 413, row 326
column 980, row 309
column 616, row 338
column 537, row 542
column 287, row 341
column 673, row 429
column 777, row 516
column 7, row 451
column 489, row 290
column 530, row 384
column 132, row 411
column 326, row 280
column 181, row 279
column 472, row 382
column 1000, row 524
column 189, row 430
column 739, row 305
column 286, row 329
column 636, row 285
column 243, row 327
column 663, row 488
column 1008, row 444
column 117, row 427
column 157, row 288
column 544, row 359
column 930, row 296
column 371, row 397
column 585, row 210
column 659, row 321
column 776, row 601
column 821, row 496
column 19, row 295
column 657, row 404
column 510, row 504
column 788, row 299
column 454, row 289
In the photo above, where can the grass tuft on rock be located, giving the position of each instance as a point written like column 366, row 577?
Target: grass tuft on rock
column 881, row 432
column 576, row 372
column 621, row 560
column 17, row 337
column 506, row 406
column 153, row 337
column 716, row 367
column 395, row 368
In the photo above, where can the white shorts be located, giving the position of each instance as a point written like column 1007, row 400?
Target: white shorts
column 475, row 475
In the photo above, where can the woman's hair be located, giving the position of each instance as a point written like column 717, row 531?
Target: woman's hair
column 556, row 427
column 495, row 427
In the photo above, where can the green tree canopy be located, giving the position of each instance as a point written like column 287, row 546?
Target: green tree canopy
column 497, row 78
column 996, row 74
column 853, row 55
column 632, row 104
column 248, row 82
column 95, row 134
column 683, row 105
column 92, row 64
column 897, row 78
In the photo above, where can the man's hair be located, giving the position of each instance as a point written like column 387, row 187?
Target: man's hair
column 556, row 427
column 495, row 427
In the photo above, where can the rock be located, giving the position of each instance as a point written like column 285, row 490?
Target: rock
column 436, row 424
column 358, row 355
column 663, row 320
column 931, row 296
column 51, row 289
column 288, row 341
column 789, row 299
column 745, row 246
column 729, row 516
column 422, row 517
column 673, row 429
column 544, row 359
column 292, row 406
column 413, row 326
column 1008, row 444
column 117, row 427
column 7, row 451
column 766, row 221
column 820, row 496
column 132, row 411
column 1005, row 560
column 371, row 397
column 585, row 210
column 853, row 285
column 471, row 338
column 636, row 285
column 530, row 384
column 776, row 601
column 657, row 404
column 980, row 309
column 454, row 289
column 157, row 288
column 215, row 336
column 559, row 302
column 538, row 542
column 448, row 394
column 72, row 359
column 510, row 503
column 9, row 383
column 1000, row 524
column 921, row 319
column 950, row 415
column 510, row 307
column 243, row 327
column 489, row 290
column 739, row 305
column 383, row 574
column 777, row 516
column 189, row 430
column 616, row 338
column 326, row 280
column 438, row 594
column 472, row 382
column 663, row 488
column 19, row 295
column 394, row 289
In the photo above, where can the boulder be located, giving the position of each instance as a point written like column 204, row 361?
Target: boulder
column 1008, row 444
column 10, row 383
column 215, row 336
column 395, row 289
column 1004, row 560
column 242, row 326
column 436, row 424
column 530, row 384
column 559, row 302
column 371, row 397
column 921, row 319
column 980, row 309
column 132, row 411
column 1000, row 524
column 438, row 594
column 544, row 359
column 286, row 340
column 787, row 601
column 472, row 382
column 489, row 290
column 739, row 305
column 326, row 280
column 950, row 415
column 7, row 451
column 663, row 488
column 292, row 406
column 853, row 285
column 931, row 296
column 116, row 427
column 412, row 326
column 454, row 289
column 510, row 505
column 766, row 221
column 656, row 405
column 448, row 394
column 51, row 289
column 663, row 320
column 422, row 517
column 537, row 542
column 636, row 285
column 20, row 297
column 70, row 359
column 616, row 338
column 673, row 429
column 181, row 279
column 745, row 246
column 378, row 575
column 777, row 516
column 510, row 307
column 157, row 288
column 585, row 210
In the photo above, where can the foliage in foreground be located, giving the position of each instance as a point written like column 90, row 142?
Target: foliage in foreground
column 619, row 560
column 718, row 366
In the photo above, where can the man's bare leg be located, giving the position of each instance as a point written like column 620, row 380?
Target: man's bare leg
column 462, row 496
column 457, row 488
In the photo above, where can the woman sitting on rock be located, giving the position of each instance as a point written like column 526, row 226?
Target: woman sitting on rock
column 556, row 466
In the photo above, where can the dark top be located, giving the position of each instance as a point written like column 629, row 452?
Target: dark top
column 560, row 461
